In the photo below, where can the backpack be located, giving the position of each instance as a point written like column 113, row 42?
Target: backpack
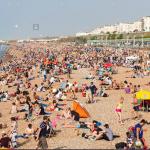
column 131, row 129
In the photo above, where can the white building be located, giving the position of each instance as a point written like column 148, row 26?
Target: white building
column 123, row 28
column 81, row 34
column 2, row 41
column 110, row 29
column 137, row 26
column 120, row 28
column 146, row 23
column 129, row 27
column 96, row 31
column 105, row 29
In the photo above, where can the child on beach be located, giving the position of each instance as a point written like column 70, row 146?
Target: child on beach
column 118, row 110
column 136, row 107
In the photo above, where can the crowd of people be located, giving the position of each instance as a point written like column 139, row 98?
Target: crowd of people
column 40, row 84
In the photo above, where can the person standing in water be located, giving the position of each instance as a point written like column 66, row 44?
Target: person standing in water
column 118, row 110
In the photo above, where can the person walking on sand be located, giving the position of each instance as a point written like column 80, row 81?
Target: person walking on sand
column 139, row 133
column 44, row 75
column 88, row 95
column 41, row 136
column 118, row 110
column 93, row 89
column 69, row 72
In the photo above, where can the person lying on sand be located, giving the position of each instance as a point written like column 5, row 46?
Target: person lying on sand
column 101, row 92
column 89, row 77
column 5, row 141
column 84, row 125
column 54, row 105
column 70, row 116
column 99, row 134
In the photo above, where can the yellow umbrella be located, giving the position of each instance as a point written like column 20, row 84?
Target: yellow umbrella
column 143, row 95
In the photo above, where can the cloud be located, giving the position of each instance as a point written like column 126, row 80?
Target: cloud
column 16, row 26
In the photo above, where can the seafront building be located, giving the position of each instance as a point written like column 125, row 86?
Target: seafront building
column 142, row 25
column 146, row 24
column 81, row 34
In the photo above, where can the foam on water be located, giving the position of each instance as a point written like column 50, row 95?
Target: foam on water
column 3, row 49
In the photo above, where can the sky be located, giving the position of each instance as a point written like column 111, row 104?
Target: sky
column 65, row 17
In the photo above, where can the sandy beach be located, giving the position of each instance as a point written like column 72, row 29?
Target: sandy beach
column 103, row 110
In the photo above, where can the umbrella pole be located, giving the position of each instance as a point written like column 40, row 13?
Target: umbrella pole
column 143, row 105
column 147, row 107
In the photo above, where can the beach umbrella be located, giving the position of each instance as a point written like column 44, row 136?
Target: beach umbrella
column 80, row 109
column 108, row 65
column 143, row 95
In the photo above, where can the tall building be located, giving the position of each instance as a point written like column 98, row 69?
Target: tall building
column 96, row 31
column 123, row 28
column 146, row 24
column 137, row 26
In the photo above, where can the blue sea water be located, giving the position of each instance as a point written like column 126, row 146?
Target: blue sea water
column 3, row 49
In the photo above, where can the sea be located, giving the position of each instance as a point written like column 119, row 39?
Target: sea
column 3, row 49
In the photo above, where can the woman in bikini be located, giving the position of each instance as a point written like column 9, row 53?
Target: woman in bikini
column 118, row 110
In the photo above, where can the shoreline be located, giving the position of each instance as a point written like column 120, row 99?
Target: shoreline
column 5, row 57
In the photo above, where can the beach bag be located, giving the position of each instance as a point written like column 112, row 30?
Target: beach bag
column 12, row 95
column 131, row 131
column 76, row 89
column 127, row 90
column 84, row 94
column 121, row 145
column 1, row 126
column 104, row 95
column 25, row 93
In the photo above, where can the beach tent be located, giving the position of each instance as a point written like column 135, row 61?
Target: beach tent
column 80, row 109
column 143, row 95
column 131, row 58
column 108, row 65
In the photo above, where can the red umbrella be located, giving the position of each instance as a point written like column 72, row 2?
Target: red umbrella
column 108, row 65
